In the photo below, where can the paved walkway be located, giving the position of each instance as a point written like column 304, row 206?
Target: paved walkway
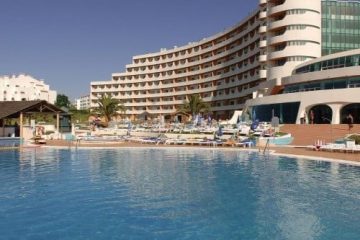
column 307, row 134
column 306, row 152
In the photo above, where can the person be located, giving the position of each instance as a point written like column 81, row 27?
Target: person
column 312, row 117
column 215, row 136
column 97, row 121
column 17, row 130
column 350, row 121
column 129, row 129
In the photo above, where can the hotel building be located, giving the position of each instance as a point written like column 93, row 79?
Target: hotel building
column 322, row 90
column 25, row 88
column 250, row 66
column 82, row 103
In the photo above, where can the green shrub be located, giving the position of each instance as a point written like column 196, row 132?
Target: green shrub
column 356, row 138
column 280, row 134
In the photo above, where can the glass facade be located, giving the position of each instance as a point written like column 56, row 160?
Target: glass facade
column 340, row 26
column 324, row 85
column 286, row 112
column 342, row 62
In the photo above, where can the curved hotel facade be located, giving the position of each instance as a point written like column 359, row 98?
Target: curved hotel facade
column 231, row 70
column 324, row 90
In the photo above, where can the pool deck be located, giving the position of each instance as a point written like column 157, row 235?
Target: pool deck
column 289, row 150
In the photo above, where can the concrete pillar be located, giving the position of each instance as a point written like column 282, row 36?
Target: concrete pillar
column 21, row 125
column 301, row 113
column 335, row 107
column 58, row 122
column 3, row 127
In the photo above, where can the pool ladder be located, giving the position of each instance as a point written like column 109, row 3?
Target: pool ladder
column 267, row 145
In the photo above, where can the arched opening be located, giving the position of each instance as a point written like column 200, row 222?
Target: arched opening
column 167, row 118
column 320, row 114
column 352, row 109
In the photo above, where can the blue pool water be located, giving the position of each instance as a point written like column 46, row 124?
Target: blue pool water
column 9, row 142
column 174, row 194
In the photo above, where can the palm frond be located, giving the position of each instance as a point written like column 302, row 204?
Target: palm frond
column 108, row 107
column 194, row 106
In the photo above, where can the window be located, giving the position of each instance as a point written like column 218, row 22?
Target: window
column 340, row 28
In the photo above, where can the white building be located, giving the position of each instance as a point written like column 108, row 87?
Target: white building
column 247, row 61
column 324, row 90
column 321, row 90
column 76, row 103
column 25, row 88
column 82, row 103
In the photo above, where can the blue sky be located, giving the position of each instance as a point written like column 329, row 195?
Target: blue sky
column 69, row 43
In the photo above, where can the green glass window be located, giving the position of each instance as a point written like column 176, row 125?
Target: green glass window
column 340, row 84
column 340, row 26
column 325, row 84
column 341, row 62
column 328, row 85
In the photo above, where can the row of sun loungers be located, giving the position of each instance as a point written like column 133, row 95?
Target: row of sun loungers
column 162, row 139
column 335, row 147
column 349, row 147
column 206, row 142
column 190, row 142
column 99, row 138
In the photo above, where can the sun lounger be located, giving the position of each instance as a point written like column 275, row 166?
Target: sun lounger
column 153, row 140
column 191, row 142
column 148, row 140
column 244, row 143
column 216, row 143
column 333, row 147
column 240, row 144
column 350, row 146
column 210, row 143
column 230, row 142
column 357, row 149
column 38, row 140
column 175, row 141
column 135, row 139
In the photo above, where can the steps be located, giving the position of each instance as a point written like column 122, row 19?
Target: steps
column 307, row 134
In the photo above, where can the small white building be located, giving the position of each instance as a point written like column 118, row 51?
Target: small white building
column 25, row 88
column 82, row 103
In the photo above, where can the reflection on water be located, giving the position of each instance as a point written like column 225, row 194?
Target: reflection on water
column 175, row 194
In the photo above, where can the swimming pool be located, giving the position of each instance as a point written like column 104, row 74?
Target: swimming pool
column 9, row 142
column 174, row 194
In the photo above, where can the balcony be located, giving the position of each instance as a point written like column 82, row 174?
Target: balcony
column 262, row 73
column 262, row 2
column 263, row 44
column 263, row 58
column 262, row 15
column 262, row 29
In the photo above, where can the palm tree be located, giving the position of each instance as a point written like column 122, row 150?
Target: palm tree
column 194, row 106
column 109, row 107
